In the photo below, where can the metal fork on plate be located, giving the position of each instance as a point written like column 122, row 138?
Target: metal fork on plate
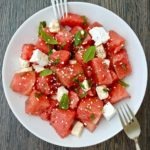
column 60, row 8
column 130, row 124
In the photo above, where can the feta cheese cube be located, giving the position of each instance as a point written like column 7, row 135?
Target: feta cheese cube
column 100, row 51
column 99, row 35
column 25, row 70
column 77, row 129
column 102, row 92
column 24, row 63
column 72, row 62
column 109, row 111
column 54, row 26
column 60, row 92
column 38, row 68
column 85, row 86
column 107, row 62
column 39, row 58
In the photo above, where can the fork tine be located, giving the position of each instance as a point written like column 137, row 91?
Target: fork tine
column 66, row 8
column 124, row 116
column 61, row 6
column 54, row 8
column 131, row 113
column 121, row 119
column 127, row 112
column 58, row 9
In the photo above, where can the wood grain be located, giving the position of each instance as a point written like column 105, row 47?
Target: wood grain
column 13, row 136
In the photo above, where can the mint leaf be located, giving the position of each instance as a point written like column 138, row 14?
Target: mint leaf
column 64, row 102
column 41, row 26
column 89, row 54
column 84, row 20
column 46, row 72
column 124, row 84
column 79, row 37
column 47, row 38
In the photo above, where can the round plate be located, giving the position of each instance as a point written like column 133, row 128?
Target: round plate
column 27, row 33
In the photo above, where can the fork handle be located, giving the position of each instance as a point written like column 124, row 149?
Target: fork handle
column 137, row 144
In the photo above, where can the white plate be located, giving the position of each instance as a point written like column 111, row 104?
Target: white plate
column 27, row 33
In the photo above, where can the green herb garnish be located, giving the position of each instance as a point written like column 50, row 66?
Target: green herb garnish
column 89, row 54
column 64, row 102
column 124, row 84
column 79, row 37
column 47, row 38
column 46, row 72
column 92, row 116
column 56, row 61
column 84, row 20
column 41, row 26
column 83, row 95
column 50, row 52
column 106, row 90
column 38, row 95
column 82, row 86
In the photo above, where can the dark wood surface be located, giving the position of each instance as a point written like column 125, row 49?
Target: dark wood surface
column 13, row 136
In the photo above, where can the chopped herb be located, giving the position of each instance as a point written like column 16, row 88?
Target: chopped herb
column 47, row 38
column 123, row 83
column 38, row 95
column 83, row 95
column 64, row 102
column 89, row 54
column 124, row 66
column 75, row 79
column 56, row 61
column 92, row 116
column 106, row 90
column 79, row 37
column 90, row 83
column 46, row 72
column 84, row 20
column 82, row 86
column 50, row 52
column 41, row 26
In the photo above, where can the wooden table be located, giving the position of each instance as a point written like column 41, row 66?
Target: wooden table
column 13, row 136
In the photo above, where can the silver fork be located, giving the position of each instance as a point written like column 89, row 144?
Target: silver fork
column 60, row 8
column 130, row 124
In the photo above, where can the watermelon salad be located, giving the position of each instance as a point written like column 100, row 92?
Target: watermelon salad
column 73, row 74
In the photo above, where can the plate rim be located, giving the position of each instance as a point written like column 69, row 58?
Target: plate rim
column 5, row 89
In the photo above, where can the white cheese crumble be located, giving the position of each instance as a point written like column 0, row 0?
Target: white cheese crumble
column 77, row 129
column 85, row 85
column 54, row 26
column 99, row 35
column 101, row 92
column 107, row 62
column 100, row 51
column 28, row 69
column 72, row 62
column 38, row 68
column 109, row 111
column 60, row 92
column 39, row 58
column 24, row 63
